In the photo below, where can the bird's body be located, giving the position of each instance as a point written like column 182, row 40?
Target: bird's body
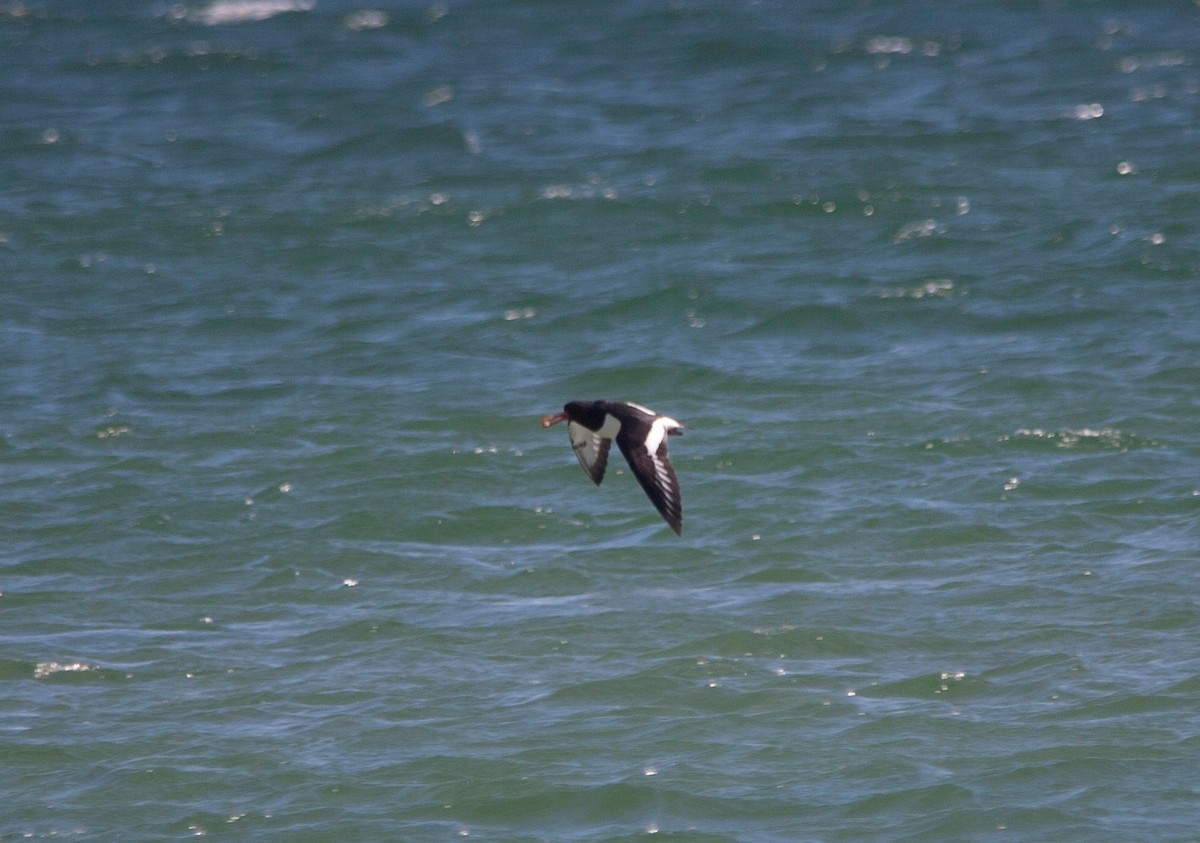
column 640, row 433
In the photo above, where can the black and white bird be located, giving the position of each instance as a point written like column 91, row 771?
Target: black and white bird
column 641, row 435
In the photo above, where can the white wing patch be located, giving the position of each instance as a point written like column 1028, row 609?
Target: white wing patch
column 664, row 474
column 666, row 479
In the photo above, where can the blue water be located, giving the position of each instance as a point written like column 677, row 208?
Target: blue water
column 285, row 287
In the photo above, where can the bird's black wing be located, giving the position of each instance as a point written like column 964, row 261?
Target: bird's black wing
column 656, row 475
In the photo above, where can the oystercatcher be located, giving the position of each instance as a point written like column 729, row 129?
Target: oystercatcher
column 641, row 435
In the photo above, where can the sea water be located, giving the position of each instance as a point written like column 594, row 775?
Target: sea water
column 285, row 286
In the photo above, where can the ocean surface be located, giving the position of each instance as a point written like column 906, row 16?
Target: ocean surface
column 285, row 286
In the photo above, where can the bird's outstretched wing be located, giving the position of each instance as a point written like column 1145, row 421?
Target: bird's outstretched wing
column 656, row 475
column 591, row 449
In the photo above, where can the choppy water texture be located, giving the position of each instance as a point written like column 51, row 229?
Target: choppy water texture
column 285, row 286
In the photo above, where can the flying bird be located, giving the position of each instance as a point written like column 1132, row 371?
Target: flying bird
column 641, row 435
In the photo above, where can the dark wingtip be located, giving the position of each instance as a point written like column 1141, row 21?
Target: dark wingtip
column 675, row 524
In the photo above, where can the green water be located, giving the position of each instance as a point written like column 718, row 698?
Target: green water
column 285, row 288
